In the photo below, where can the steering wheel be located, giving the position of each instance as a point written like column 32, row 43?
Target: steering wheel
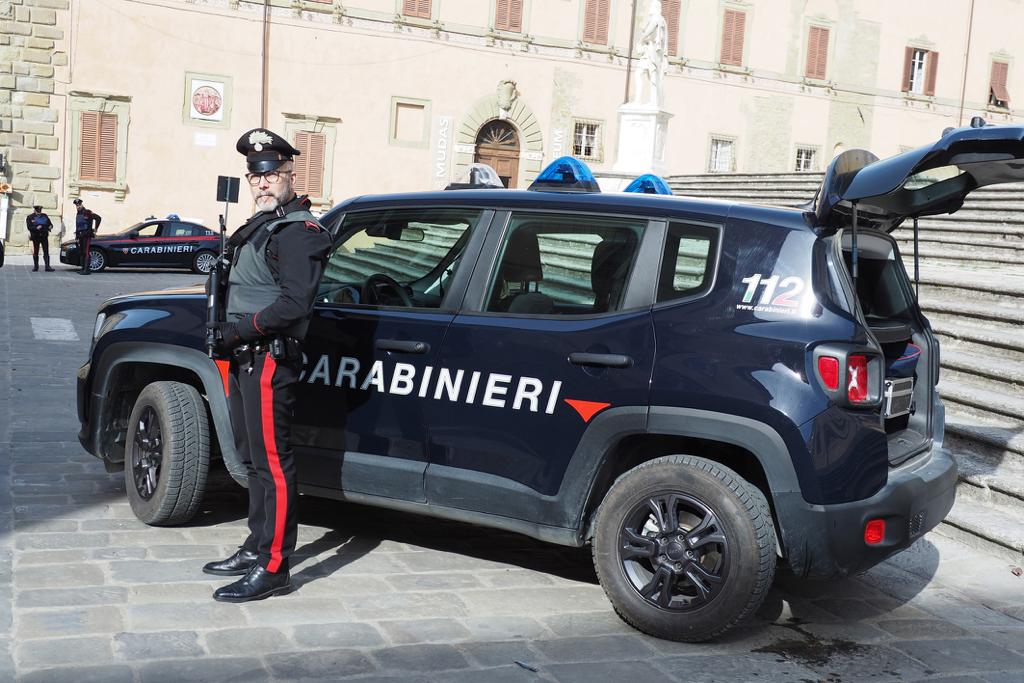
column 378, row 285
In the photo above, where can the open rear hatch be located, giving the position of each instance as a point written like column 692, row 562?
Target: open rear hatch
column 862, row 199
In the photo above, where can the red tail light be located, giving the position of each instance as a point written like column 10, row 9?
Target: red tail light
column 857, row 379
column 828, row 370
column 874, row 531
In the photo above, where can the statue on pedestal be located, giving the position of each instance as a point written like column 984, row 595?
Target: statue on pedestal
column 653, row 61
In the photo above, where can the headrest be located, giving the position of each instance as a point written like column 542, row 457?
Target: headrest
column 608, row 264
column 521, row 262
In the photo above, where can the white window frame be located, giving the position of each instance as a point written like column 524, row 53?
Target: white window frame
column 814, row 153
column 598, row 139
column 712, row 157
column 918, row 71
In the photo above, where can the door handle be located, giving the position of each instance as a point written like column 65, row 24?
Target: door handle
column 603, row 360
column 402, row 346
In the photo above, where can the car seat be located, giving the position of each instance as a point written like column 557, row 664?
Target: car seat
column 521, row 263
column 608, row 270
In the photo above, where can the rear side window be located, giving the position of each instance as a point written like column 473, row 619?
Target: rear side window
column 565, row 265
column 688, row 266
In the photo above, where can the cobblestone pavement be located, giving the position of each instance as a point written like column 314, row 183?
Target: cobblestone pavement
column 91, row 594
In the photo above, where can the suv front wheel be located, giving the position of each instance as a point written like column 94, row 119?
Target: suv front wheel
column 167, row 454
column 684, row 548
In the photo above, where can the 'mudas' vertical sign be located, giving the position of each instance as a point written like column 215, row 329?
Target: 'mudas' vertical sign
column 442, row 153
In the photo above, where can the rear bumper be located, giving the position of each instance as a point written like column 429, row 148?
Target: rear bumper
column 829, row 542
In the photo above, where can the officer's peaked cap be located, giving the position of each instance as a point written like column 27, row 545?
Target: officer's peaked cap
column 264, row 151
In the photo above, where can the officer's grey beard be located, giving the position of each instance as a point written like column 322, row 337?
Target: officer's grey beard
column 267, row 203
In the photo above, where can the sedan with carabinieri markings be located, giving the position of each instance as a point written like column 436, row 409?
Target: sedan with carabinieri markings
column 166, row 243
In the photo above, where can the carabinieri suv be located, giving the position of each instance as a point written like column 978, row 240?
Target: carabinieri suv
column 697, row 389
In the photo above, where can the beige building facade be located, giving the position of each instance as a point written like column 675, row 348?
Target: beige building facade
column 135, row 105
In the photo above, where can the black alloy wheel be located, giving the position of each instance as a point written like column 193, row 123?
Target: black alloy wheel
column 674, row 551
column 147, row 453
column 684, row 547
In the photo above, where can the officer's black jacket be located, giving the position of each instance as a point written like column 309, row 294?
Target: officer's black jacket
column 296, row 254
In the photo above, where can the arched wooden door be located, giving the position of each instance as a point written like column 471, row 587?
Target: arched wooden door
column 497, row 145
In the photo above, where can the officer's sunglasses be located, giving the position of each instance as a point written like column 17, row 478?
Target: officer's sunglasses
column 273, row 177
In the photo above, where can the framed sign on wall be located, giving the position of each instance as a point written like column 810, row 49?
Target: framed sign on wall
column 207, row 100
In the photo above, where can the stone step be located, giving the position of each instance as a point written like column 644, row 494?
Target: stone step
column 987, row 526
column 959, row 241
column 961, row 389
column 952, row 309
column 979, row 341
column 994, row 371
column 995, row 440
column 960, row 255
column 999, row 281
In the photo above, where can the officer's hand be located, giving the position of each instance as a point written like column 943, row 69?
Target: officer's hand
column 227, row 336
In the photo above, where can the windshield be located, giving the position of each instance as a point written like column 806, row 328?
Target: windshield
column 128, row 230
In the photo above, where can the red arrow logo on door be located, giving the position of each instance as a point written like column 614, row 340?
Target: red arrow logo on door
column 586, row 409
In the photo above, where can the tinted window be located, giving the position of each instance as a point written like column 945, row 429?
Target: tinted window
column 564, row 265
column 151, row 230
column 688, row 265
column 396, row 257
column 179, row 230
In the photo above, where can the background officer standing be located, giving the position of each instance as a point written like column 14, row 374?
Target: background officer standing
column 86, row 225
column 39, row 226
column 276, row 260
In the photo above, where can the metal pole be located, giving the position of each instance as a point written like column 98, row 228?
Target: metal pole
column 967, row 57
column 917, row 264
column 265, row 59
column 629, row 55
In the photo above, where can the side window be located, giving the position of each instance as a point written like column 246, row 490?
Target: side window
column 151, row 230
column 688, row 266
column 564, row 265
column 397, row 257
column 179, row 230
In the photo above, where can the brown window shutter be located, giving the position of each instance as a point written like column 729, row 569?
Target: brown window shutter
column 908, row 65
column 997, row 85
column 301, row 163
column 501, row 14
column 733, row 26
column 671, row 10
column 595, row 21
column 515, row 15
column 107, row 162
column 416, row 8
column 817, row 52
column 315, row 164
column 931, row 67
column 88, row 153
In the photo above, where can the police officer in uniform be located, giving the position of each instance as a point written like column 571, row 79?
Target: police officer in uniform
column 276, row 259
column 39, row 226
column 86, row 225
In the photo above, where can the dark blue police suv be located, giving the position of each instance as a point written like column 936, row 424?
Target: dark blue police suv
column 150, row 244
column 697, row 389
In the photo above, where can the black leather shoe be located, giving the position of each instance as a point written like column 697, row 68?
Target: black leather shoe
column 238, row 564
column 49, row 269
column 256, row 585
column 36, row 269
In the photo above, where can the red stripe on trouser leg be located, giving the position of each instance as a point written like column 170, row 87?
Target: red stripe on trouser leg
column 270, row 445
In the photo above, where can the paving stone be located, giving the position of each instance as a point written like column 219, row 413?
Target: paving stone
column 610, row 672
column 594, row 648
column 247, row 641
column 118, row 553
column 81, row 674
column 1011, row 639
column 743, row 667
column 320, row 664
column 171, row 616
column 588, row 624
column 77, row 622
column 535, row 601
column 854, row 631
column 510, row 578
column 346, row 634
column 504, row 674
column 222, row 670
column 425, row 582
column 292, row 609
column 965, row 655
column 161, row 645
column 60, row 576
column 420, row 658
column 36, row 654
column 502, row 653
column 407, row 604
column 908, row 629
column 175, row 592
column 163, row 571
column 424, row 631
column 36, row 557
column 61, row 540
column 173, row 552
column 504, row 628
column 849, row 609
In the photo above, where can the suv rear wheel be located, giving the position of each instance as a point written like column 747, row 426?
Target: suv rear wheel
column 684, row 548
column 168, row 453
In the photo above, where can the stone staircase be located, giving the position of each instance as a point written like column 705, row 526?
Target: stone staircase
column 972, row 290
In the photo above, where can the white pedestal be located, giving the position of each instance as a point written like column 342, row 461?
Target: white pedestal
column 642, row 130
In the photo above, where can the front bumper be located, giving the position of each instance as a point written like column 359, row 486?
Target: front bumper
column 69, row 256
column 828, row 540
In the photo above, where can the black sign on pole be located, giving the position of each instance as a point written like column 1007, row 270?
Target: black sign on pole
column 227, row 189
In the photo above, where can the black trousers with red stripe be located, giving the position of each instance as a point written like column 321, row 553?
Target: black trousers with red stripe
column 261, row 401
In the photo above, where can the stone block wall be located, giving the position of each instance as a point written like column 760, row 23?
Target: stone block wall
column 32, row 51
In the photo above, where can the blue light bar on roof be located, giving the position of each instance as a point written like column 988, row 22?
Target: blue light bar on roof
column 649, row 183
column 565, row 174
